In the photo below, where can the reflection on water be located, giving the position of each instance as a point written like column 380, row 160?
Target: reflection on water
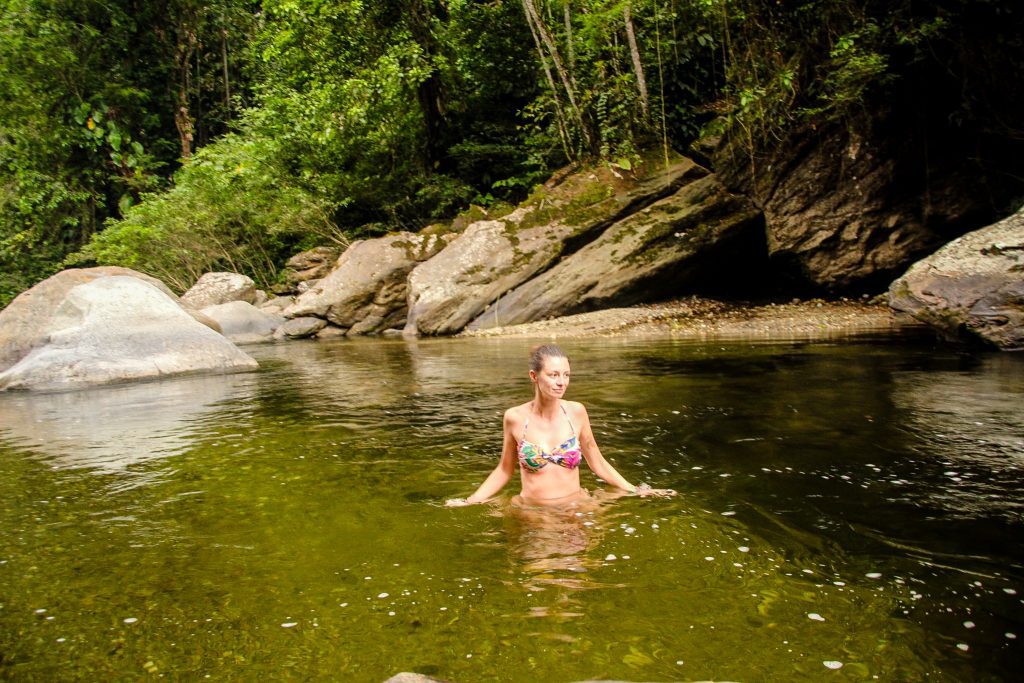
column 114, row 428
column 846, row 509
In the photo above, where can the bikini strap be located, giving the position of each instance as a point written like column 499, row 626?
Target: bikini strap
column 525, row 426
column 566, row 413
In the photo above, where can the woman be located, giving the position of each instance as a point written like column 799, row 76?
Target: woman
column 550, row 474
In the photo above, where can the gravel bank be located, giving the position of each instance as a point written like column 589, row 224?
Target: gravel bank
column 698, row 318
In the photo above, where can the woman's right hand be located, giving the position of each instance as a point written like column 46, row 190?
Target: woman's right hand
column 456, row 503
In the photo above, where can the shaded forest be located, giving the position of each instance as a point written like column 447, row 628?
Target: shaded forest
column 181, row 137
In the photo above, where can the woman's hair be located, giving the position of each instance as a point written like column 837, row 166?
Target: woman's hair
column 539, row 353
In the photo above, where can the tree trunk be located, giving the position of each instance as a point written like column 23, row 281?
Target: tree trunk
column 638, row 67
column 569, row 49
column 559, row 115
column 224, row 64
column 430, row 92
column 545, row 36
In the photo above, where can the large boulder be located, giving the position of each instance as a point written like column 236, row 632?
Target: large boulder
column 973, row 286
column 848, row 211
column 219, row 288
column 493, row 257
column 657, row 251
column 117, row 329
column 366, row 292
column 244, row 323
column 24, row 323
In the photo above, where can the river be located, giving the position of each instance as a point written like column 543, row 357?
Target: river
column 848, row 509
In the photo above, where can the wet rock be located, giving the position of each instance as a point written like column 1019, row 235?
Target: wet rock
column 244, row 323
column 366, row 292
column 25, row 321
column 219, row 288
column 116, row 329
column 646, row 255
column 492, row 257
column 299, row 328
column 972, row 287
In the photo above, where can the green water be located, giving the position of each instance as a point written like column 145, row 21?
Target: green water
column 853, row 502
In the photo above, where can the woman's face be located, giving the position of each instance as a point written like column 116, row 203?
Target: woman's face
column 553, row 378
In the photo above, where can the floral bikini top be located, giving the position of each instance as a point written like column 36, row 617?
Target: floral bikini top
column 533, row 458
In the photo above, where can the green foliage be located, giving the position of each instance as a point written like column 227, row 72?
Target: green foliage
column 229, row 209
column 316, row 120
column 87, row 118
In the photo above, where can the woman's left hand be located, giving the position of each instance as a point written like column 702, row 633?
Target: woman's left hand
column 644, row 490
column 456, row 503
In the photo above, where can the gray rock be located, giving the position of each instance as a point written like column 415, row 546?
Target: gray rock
column 118, row 329
column 366, row 292
column 657, row 250
column 25, row 321
column 306, row 285
column 313, row 264
column 243, row 323
column 299, row 328
column 277, row 304
column 494, row 256
column 973, row 286
column 330, row 332
column 219, row 288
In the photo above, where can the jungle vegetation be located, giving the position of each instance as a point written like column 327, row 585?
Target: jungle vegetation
column 177, row 137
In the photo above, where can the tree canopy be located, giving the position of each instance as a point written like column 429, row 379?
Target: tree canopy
column 177, row 137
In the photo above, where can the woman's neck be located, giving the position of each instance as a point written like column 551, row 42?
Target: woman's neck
column 547, row 408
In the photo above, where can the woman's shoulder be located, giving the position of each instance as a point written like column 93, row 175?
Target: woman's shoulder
column 575, row 408
column 517, row 413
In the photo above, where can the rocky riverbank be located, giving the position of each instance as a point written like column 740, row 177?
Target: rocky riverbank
column 695, row 317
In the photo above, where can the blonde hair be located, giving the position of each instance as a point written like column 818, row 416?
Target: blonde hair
column 542, row 351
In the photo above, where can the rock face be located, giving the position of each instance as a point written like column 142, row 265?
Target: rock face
column 973, row 286
column 243, row 323
column 314, row 264
column 851, row 212
column 366, row 292
column 24, row 323
column 116, row 329
column 219, row 288
column 493, row 257
column 657, row 250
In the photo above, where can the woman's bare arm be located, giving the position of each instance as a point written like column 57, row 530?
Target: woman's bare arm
column 604, row 469
column 501, row 474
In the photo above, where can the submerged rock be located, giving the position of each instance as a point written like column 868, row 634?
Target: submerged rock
column 493, row 257
column 654, row 251
column 366, row 292
column 219, row 288
column 973, row 286
column 117, row 329
column 244, row 323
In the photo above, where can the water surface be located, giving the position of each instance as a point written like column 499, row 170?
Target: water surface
column 848, row 509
